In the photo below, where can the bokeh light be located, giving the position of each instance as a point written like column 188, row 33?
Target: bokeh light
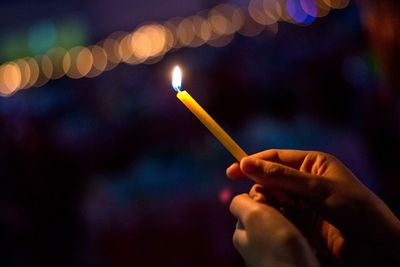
column 150, row 42
column 77, row 62
column 111, row 47
column 265, row 12
column 84, row 61
column 99, row 61
column 56, row 57
column 25, row 70
column 185, row 32
column 47, row 66
column 34, row 72
column 10, row 78
column 337, row 4
column 298, row 14
column 43, row 67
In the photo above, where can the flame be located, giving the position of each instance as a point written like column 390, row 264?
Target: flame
column 177, row 79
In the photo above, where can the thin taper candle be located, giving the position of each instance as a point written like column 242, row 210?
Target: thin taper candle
column 236, row 151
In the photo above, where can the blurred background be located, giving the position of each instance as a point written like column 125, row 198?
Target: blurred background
column 101, row 165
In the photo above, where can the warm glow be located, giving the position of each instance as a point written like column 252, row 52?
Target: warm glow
column 338, row 4
column 150, row 42
column 141, row 45
column 111, row 47
column 77, row 62
column 34, row 71
column 47, row 67
column 84, row 61
column 99, row 61
column 177, row 79
column 185, row 32
column 10, row 78
column 218, row 22
column 56, row 57
column 25, row 72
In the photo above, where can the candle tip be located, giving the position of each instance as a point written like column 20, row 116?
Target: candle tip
column 177, row 79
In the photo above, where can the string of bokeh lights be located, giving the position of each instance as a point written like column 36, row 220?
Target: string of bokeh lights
column 150, row 42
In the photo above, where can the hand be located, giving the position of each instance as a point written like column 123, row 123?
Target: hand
column 264, row 237
column 352, row 224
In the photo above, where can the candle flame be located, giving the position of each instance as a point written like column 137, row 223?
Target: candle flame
column 177, row 79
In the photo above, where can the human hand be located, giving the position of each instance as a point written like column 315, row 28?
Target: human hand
column 264, row 237
column 353, row 225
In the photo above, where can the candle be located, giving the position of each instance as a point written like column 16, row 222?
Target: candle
column 236, row 151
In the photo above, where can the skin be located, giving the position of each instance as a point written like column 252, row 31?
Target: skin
column 264, row 237
column 330, row 207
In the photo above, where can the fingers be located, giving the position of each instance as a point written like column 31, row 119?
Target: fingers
column 234, row 172
column 290, row 158
column 270, row 174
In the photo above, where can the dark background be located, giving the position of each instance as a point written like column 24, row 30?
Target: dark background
column 114, row 171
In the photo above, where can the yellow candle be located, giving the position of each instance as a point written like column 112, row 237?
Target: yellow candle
column 205, row 118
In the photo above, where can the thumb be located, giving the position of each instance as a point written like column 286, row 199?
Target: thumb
column 289, row 180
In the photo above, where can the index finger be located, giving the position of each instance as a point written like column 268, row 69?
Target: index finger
column 288, row 157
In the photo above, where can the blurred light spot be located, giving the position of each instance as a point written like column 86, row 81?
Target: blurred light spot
column 232, row 16
column 323, row 8
column 169, row 39
column 47, row 67
column 99, row 61
column 56, row 56
column 265, row 12
column 172, row 26
column 237, row 19
column 25, row 70
column 296, row 12
column 156, row 34
column 218, row 22
column 42, row 36
column 205, row 32
column 111, row 46
column 42, row 79
column 337, row 4
column 251, row 27
column 125, row 49
column 10, row 78
column 84, row 61
column 149, row 43
column 74, row 65
column 34, row 71
column 309, row 7
column 198, row 24
column 225, row 195
column 185, row 32
column 141, row 45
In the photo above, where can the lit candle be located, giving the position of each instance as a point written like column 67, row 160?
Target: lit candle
column 203, row 116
